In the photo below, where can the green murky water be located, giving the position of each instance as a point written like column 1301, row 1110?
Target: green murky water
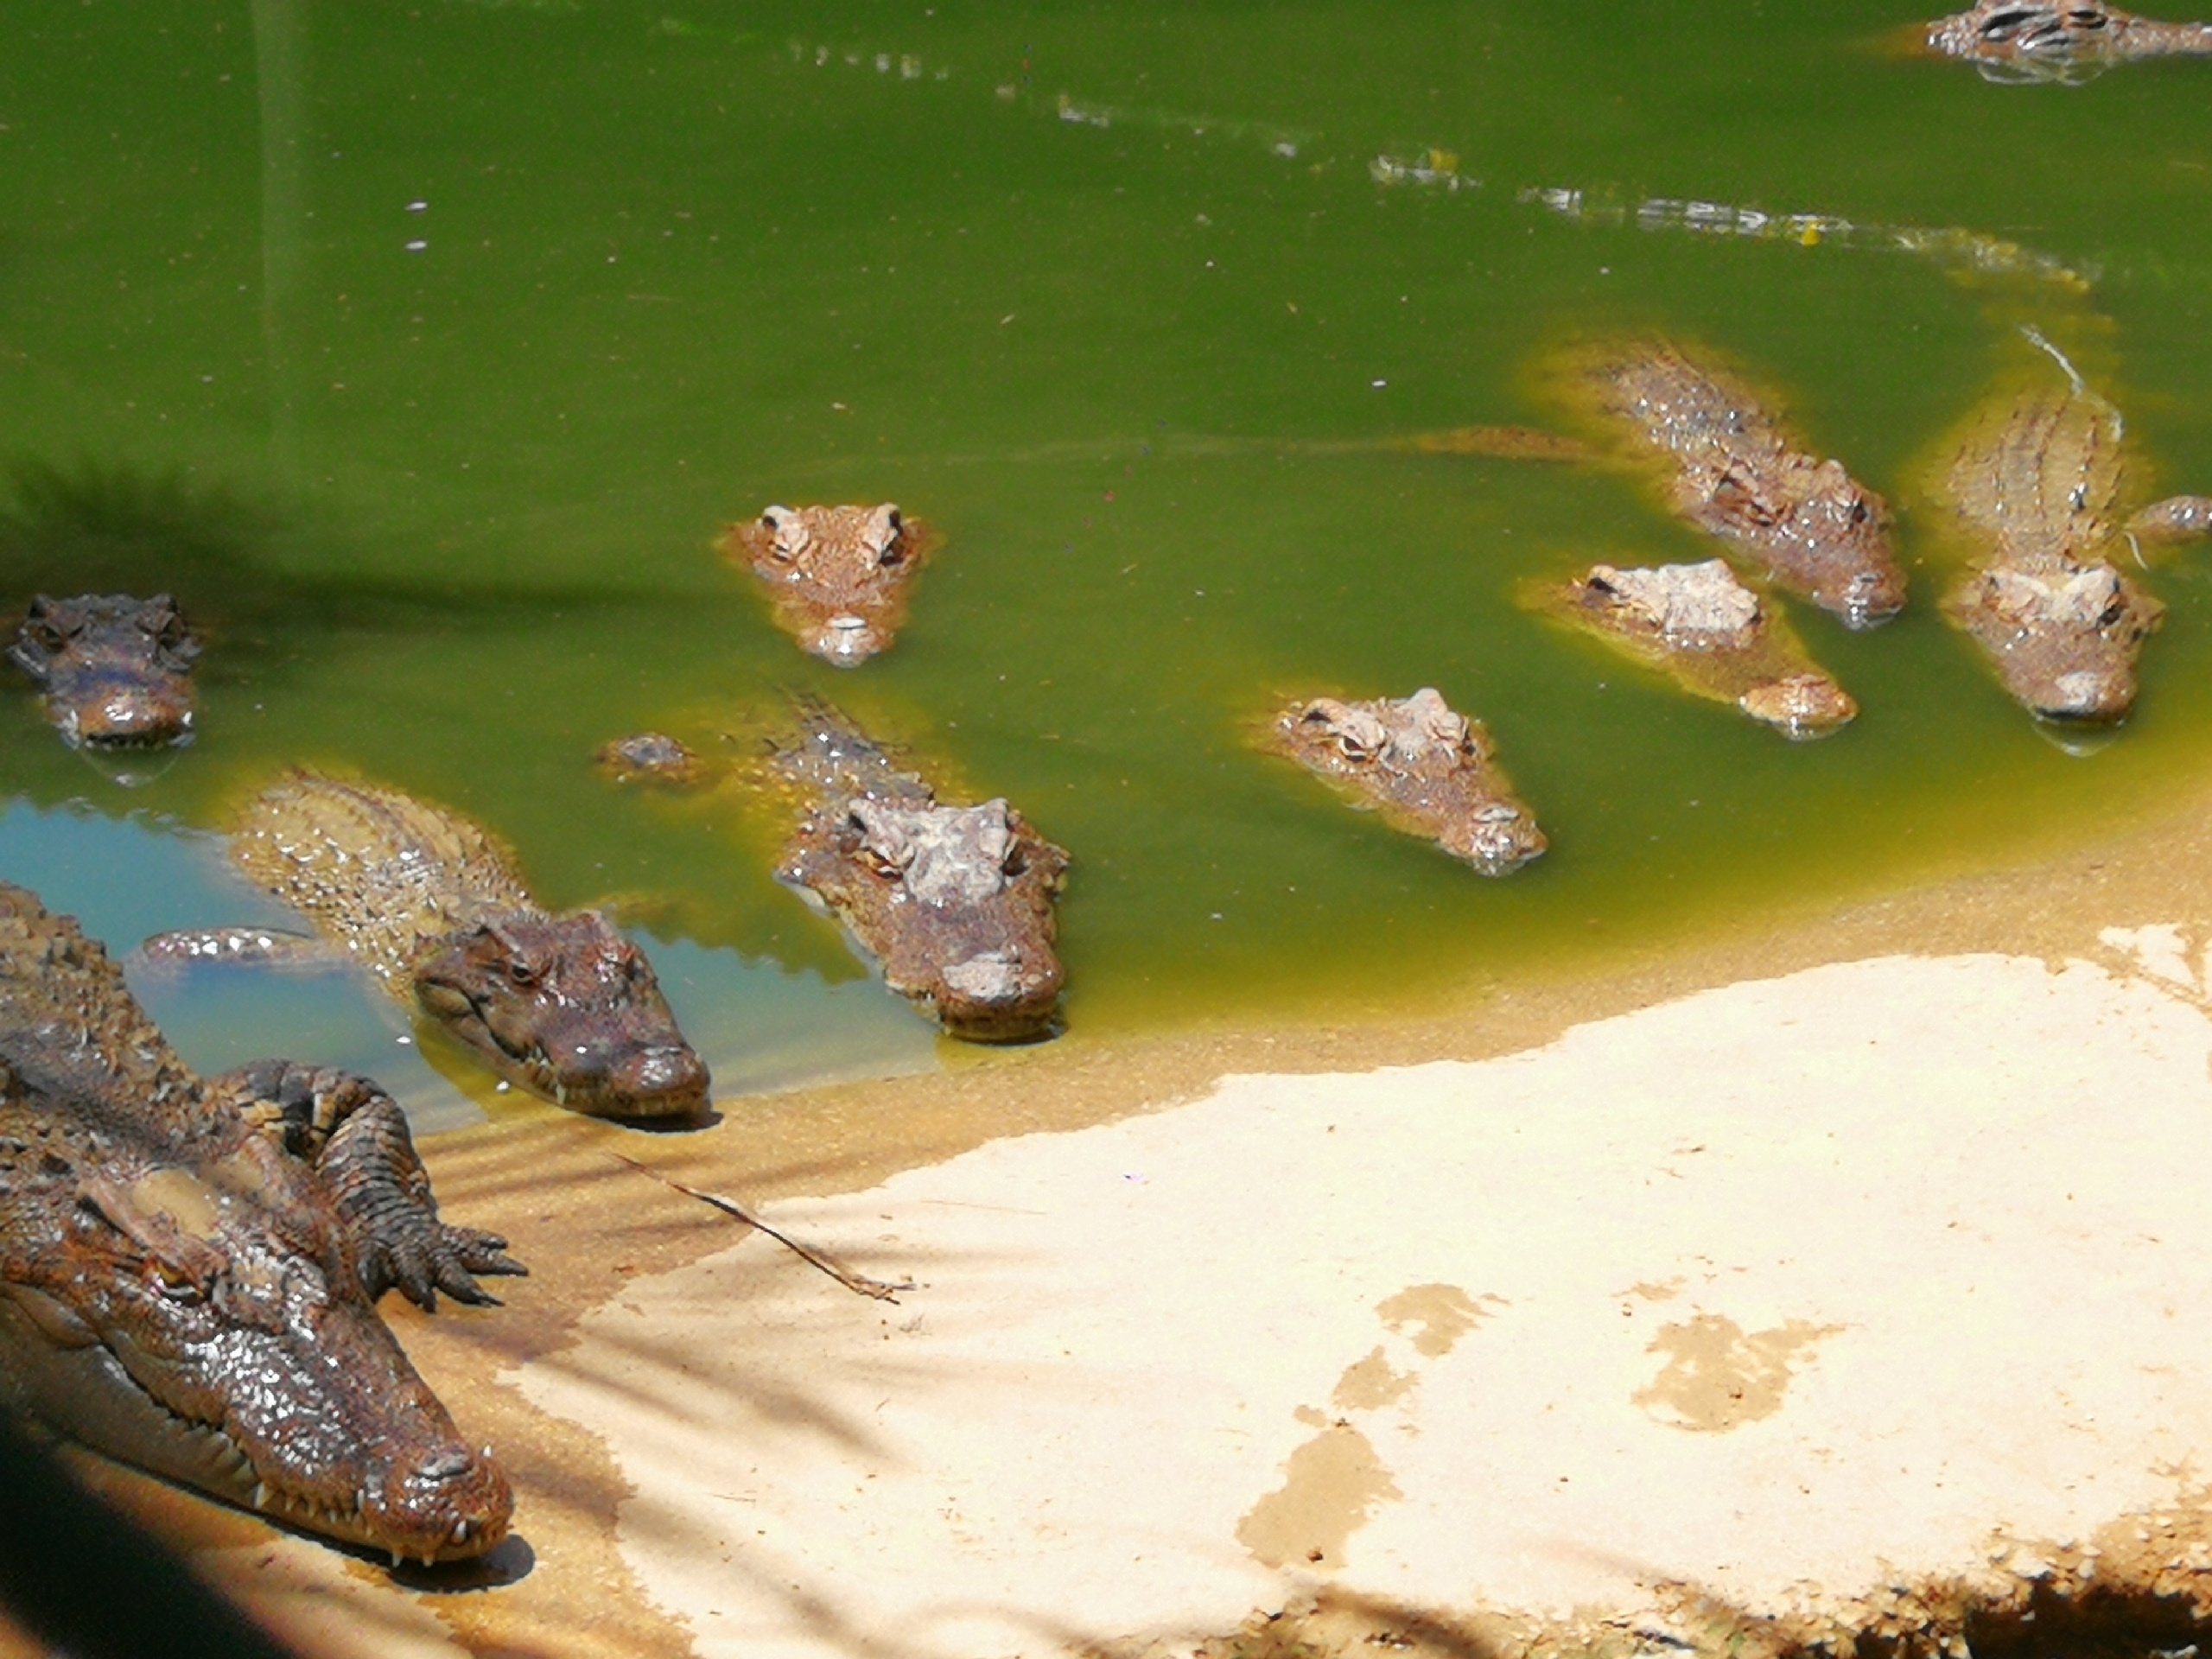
column 424, row 349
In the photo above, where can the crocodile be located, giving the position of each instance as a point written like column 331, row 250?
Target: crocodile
column 2034, row 484
column 1427, row 769
column 838, row 575
column 2010, row 41
column 956, row 902
column 1711, row 633
column 429, row 904
column 190, row 1266
column 649, row 756
column 1734, row 471
column 117, row 670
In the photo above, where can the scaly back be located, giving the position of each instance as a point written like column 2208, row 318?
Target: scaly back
column 68, row 1024
column 2038, row 475
column 380, row 873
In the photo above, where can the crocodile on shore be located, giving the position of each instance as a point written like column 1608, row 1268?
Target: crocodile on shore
column 428, row 903
column 838, row 575
column 1427, row 770
column 2033, row 485
column 1711, row 633
column 189, row 1266
column 956, row 902
column 2007, row 40
column 1732, row 470
column 117, row 670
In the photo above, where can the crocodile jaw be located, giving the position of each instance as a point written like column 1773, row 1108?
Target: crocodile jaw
column 436, row 1500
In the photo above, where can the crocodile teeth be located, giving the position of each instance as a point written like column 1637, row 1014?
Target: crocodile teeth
column 397, row 1560
column 260, row 1495
column 459, row 1532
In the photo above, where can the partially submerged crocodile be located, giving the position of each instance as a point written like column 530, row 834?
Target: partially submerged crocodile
column 956, row 902
column 1712, row 634
column 838, row 575
column 117, row 670
column 1427, row 769
column 2007, row 40
column 189, row 1266
column 428, row 903
column 2034, row 486
column 1732, row 470
column 653, row 757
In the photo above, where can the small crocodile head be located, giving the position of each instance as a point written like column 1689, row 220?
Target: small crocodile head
column 1844, row 528
column 1424, row 764
column 838, row 575
column 956, row 900
column 568, row 1008
column 208, row 1323
column 116, row 669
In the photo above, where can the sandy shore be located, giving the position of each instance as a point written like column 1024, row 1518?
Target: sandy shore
column 1830, row 1278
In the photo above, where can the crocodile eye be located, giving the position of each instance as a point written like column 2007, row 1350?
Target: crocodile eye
column 174, row 1287
column 520, row 974
column 47, row 637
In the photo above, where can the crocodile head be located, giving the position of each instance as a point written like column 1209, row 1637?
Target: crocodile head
column 116, row 671
column 1422, row 764
column 568, row 1008
column 1833, row 534
column 838, row 575
column 956, row 903
column 2064, row 639
column 208, row 1323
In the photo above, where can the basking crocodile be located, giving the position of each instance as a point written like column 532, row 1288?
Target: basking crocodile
column 117, row 670
column 2033, row 485
column 838, row 575
column 1427, row 770
column 189, row 1266
column 1712, row 634
column 2007, row 40
column 429, row 904
column 956, row 902
column 1733, row 471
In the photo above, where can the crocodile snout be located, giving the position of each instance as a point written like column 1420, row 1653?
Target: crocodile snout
column 664, row 1080
column 134, row 716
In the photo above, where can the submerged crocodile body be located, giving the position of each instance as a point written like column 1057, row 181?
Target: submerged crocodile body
column 1712, row 634
column 1734, row 471
column 956, row 902
column 428, row 903
column 2034, row 484
column 838, row 575
column 116, row 671
column 2008, row 40
column 188, row 1266
column 1427, row 769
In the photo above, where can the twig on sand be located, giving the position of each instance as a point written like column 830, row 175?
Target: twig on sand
column 853, row 1281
